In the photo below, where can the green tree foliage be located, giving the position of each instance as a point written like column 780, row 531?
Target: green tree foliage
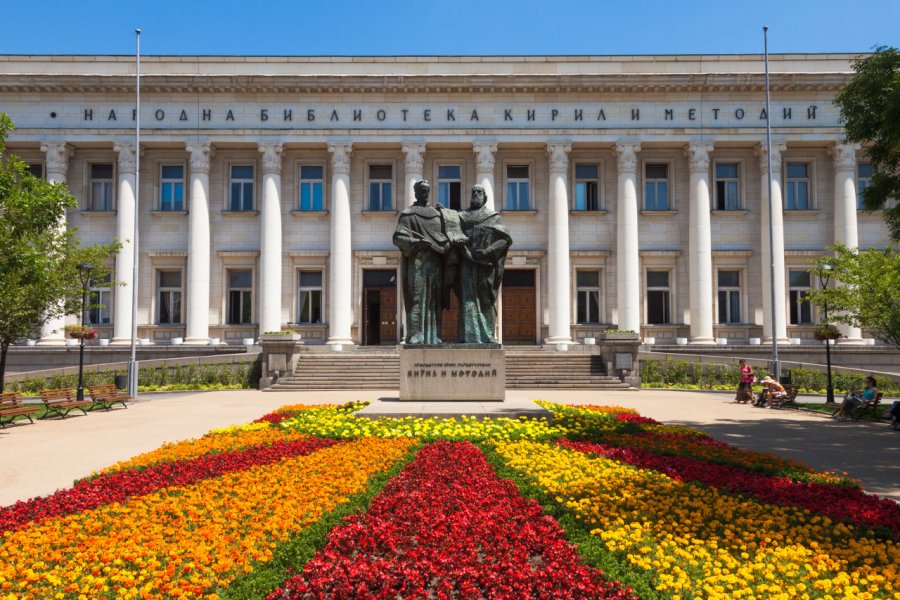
column 863, row 290
column 38, row 263
column 870, row 112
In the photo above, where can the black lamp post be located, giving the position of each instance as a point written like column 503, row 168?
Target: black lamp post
column 824, row 278
column 84, row 273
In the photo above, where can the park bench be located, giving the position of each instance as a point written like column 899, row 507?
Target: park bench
column 11, row 408
column 104, row 396
column 61, row 402
column 789, row 399
column 868, row 406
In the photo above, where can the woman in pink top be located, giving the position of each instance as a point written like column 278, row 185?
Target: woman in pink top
column 744, row 391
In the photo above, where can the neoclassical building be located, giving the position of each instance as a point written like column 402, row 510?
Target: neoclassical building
column 635, row 188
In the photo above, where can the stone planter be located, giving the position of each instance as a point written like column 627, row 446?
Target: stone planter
column 618, row 336
column 279, row 353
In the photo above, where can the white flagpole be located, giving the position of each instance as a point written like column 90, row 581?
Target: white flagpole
column 133, row 363
column 776, row 367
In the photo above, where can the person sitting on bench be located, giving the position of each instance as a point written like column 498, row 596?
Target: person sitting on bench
column 855, row 399
column 771, row 390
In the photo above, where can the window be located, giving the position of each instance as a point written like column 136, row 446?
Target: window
column 656, row 186
column 241, row 189
column 309, row 299
column 36, row 170
column 658, row 297
column 587, row 284
column 450, row 186
column 101, row 187
column 169, row 297
column 729, row 296
column 517, row 184
column 100, row 301
column 799, row 286
column 240, row 294
column 587, row 187
column 171, row 188
column 864, row 173
column 727, row 187
column 312, row 181
column 381, row 181
column 797, row 186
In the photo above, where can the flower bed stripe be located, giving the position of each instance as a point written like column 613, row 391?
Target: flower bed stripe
column 121, row 486
column 842, row 503
column 183, row 542
column 699, row 543
column 446, row 527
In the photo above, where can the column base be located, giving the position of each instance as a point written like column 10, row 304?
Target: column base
column 781, row 341
column 197, row 341
column 342, row 341
column 843, row 342
column 122, row 342
column 558, row 340
column 51, row 341
column 702, row 341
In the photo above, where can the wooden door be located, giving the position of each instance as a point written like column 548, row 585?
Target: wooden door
column 519, row 308
column 450, row 320
column 388, row 317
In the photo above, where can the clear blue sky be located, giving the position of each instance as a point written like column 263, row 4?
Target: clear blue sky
column 385, row 27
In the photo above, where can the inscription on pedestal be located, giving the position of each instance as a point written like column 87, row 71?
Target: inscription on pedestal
column 448, row 373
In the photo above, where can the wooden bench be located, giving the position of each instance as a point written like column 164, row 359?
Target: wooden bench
column 62, row 401
column 11, row 408
column 106, row 395
column 867, row 406
column 789, row 399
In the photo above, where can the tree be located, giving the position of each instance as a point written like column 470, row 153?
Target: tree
column 863, row 291
column 38, row 264
column 870, row 112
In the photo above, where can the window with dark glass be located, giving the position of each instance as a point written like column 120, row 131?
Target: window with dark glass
column 101, row 187
column 518, row 181
column 240, row 297
column 381, row 182
column 36, row 170
column 729, row 296
column 587, row 285
column 169, row 309
column 450, row 186
column 587, row 187
column 727, row 187
column 799, row 286
column 658, row 297
column 171, row 188
column 864, row 172
column 100, row 301
column 656, row 186
column 797, row 186
column 312, row 181
column 309, row 297
column 241, row 188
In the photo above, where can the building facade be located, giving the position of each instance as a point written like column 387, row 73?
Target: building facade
column 635, row 188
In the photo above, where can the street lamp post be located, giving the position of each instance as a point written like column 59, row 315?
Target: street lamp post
column 84, row 274
column 824, row 278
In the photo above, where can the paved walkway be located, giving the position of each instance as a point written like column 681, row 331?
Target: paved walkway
column 40, row 458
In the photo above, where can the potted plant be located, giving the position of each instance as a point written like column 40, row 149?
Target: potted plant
column 81, row 332
column 618, row 334
column 827, row 332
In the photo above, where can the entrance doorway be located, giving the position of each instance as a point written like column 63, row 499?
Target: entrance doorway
column 379, row 307
column 519, row 307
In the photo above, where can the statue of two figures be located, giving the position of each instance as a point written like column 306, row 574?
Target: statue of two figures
column 451, row 252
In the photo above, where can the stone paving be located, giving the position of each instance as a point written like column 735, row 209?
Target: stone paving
column 48, row 455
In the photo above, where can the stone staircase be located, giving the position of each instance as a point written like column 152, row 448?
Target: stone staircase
column 527, row 367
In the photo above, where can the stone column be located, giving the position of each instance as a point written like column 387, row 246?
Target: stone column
column 57, row 162
column 270, row 258
column 700, row 245
column 845, row 229
column 126, row 213
column 340, row 271
column 198, row 258
column 413, row 167
column 628, row 273
column 773, row 163
column 484, row 170
column 558, row 298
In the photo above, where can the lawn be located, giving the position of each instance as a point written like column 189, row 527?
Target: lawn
column 312, row 502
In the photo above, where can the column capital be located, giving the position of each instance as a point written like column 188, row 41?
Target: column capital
column 626, row 156
column 844, row 156
column 201, row 153
column 58, row 155
column 271, row 157
column 414, row 156
column 340, row 157
column 484, row 155
column 559, row 156
column 774, row 161
column 698, row 156
column 127, row 157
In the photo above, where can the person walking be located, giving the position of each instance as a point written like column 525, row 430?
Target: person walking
column 745, row 390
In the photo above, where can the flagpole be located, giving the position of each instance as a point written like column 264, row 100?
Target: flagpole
column 776, row 367
column 132, row 363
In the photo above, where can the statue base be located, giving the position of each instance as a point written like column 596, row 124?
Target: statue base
column 453, row 372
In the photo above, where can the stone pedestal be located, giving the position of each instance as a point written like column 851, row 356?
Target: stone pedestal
column 279, row 355
column 452, row 372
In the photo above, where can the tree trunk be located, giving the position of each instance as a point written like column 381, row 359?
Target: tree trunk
column 4, row 346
